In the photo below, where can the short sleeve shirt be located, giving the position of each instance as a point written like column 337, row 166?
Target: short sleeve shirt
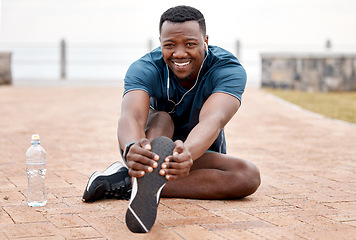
column 221, row 72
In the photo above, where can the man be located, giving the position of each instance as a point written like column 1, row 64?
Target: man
column 187, row 91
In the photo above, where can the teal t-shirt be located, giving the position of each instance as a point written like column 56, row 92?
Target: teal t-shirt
column 221, row 72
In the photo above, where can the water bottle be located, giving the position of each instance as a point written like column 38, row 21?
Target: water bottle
column 36, row 171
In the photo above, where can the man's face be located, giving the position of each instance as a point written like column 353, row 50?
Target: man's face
column 183, row 48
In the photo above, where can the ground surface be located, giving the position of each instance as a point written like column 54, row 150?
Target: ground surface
column 307, row 162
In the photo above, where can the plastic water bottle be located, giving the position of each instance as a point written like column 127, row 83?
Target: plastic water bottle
column 36, row 171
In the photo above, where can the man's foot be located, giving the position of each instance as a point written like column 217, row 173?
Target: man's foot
column 146, row 191
column 114, row 182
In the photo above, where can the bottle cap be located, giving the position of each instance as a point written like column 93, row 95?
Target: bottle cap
column 35, row 137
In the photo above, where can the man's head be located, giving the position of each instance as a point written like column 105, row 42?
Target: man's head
column 182, row 14
column 183, row 37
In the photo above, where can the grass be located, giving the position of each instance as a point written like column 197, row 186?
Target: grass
column 337, row 105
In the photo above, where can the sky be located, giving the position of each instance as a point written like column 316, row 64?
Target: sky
column 251, row 22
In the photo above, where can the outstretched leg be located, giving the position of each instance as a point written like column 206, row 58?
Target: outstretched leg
column 159, row 124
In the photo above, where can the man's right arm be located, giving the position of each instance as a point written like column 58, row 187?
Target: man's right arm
column 134, row 112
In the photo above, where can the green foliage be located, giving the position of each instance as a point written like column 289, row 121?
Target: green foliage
column 337, row 105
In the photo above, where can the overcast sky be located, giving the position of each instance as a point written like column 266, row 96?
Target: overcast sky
column 252, row 21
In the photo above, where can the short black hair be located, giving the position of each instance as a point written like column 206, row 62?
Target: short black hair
column 180, row 14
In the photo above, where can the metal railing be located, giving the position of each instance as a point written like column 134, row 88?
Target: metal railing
column 67, row 60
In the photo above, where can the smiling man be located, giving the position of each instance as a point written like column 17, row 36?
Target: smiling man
column 186, row 91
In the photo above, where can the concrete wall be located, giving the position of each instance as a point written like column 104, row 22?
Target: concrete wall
column 5, row 68
column 309, row 72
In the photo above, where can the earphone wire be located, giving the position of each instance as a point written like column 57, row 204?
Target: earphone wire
column 196, row 81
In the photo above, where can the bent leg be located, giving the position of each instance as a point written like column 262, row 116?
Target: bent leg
column 216, row 176
column 212, row 176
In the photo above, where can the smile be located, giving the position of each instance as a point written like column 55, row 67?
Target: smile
column 181, row 65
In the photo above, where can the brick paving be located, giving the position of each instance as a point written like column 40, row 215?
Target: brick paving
column 307, row 162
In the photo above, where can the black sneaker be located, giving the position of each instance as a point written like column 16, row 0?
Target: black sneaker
column 114, row 182
column 146, row 191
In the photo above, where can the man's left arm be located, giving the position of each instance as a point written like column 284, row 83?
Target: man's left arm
column 214, row 115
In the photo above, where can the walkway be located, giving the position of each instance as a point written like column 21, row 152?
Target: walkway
column 307, row 162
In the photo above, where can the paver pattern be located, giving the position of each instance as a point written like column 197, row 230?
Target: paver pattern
column 307, row 163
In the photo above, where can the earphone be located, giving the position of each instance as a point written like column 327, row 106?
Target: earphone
column 196, row 81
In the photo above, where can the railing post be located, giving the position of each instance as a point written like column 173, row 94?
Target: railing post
column 63, row 61
column 328, row 45
column 238, row 48
column 5, row 68
column 150, row 45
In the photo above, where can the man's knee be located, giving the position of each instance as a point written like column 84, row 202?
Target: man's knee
column 242, row 177
column 160, row 119
column 249, row 179
column 159, row 123
column 254, row 179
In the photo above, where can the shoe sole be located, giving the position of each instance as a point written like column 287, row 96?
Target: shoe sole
column 146, row 191
column 112, row 172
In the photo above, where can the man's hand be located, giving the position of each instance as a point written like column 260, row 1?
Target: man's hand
column 177, row 165
column 140, row 159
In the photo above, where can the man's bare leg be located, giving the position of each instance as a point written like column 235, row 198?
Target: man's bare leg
column 212, row 176
column 216, row 176
column 159, row 124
